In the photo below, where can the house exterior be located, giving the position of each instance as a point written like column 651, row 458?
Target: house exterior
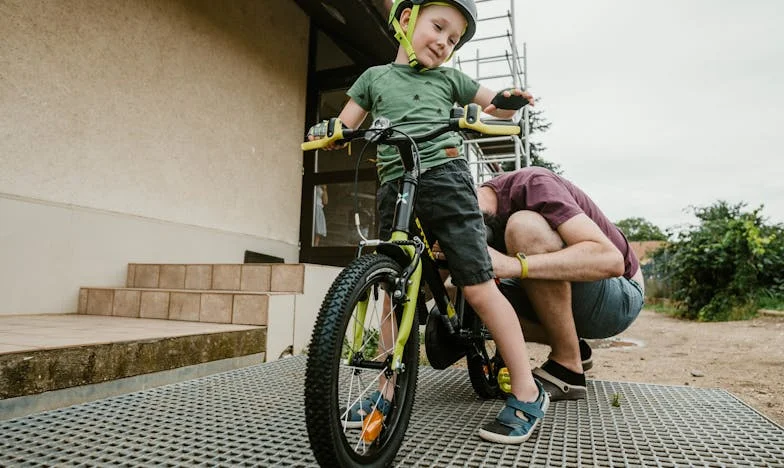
column 168, row 131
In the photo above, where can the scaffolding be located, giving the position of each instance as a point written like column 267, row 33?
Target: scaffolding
column 493, row 59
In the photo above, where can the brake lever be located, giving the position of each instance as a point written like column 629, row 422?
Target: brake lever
column 379, row 129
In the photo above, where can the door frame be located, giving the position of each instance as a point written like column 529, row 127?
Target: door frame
column 319, row 82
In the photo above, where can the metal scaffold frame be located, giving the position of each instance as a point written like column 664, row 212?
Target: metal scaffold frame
column 493, row 59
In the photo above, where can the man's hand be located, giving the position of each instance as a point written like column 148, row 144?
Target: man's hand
column 504, row 266
column 438, row 254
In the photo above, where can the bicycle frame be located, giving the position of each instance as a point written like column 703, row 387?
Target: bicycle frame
column 416, row 266
column 370, row 312
column 403, row 246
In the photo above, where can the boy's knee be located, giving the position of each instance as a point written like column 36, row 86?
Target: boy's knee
column 478, row 293
column 529, row 232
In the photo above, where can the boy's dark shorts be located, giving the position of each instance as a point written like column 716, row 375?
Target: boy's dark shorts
column 447, row 207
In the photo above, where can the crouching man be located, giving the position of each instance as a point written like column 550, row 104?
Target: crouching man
column 567, row 270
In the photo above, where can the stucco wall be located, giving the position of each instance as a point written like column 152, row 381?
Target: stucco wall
column 185, row 111
column 129, row 113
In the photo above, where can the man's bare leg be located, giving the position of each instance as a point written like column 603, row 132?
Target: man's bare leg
column 529, row 232
column 534, row 332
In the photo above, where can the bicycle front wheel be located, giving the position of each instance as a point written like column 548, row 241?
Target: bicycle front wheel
column 349, row 359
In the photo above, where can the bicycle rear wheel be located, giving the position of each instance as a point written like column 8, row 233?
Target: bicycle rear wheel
column 349, row 358
column 483, row 359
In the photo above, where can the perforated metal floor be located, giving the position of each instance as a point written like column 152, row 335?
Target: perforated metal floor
column 254, row 417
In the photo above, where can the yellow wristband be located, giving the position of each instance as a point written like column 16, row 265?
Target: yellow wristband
column 523, row 265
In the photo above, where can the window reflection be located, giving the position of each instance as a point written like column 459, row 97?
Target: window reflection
column 333, row 213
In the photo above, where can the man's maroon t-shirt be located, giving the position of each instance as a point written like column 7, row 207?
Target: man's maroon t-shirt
column 557, row 200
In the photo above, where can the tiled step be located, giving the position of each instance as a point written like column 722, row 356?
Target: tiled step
column 214, row 306
column 72, row 350
column 255, row 277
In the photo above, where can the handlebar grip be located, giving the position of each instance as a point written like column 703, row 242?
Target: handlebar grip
column 334, row 133
column 471, row 121
column 315, row 144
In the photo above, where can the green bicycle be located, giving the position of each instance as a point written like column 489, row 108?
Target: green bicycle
column 364, row 351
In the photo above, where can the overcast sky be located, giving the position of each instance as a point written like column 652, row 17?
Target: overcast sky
column 658, row 105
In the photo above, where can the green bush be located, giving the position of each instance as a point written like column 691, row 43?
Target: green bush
column 640, row 229
column 723, row 267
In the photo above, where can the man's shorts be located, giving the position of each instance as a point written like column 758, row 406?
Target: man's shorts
column 447, row 207
column 601, row 309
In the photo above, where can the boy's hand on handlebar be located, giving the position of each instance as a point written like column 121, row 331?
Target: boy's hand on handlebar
column 329, row 147
column 511, row 94
column 319, row 131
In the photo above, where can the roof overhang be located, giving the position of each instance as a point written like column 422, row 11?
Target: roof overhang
column 357, row 26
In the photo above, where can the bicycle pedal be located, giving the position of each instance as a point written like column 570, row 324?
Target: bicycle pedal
column 504, row 380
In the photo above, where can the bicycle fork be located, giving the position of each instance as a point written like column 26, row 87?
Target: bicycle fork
column 409, row 308
column 406, row 252
column 405, row 292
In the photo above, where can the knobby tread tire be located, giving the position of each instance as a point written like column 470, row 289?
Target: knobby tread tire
column 324, row 354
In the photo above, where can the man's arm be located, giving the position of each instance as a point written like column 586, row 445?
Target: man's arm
column 588, row 256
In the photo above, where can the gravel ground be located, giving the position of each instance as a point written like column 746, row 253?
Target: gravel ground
column 745, row 358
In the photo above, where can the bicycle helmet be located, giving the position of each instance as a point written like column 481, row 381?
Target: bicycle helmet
column 466, row 7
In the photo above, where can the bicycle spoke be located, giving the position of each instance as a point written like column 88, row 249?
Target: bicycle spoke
column 361, row 442
column 367, row 388
column 379, row 329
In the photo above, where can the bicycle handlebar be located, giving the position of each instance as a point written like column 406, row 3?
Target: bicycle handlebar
column 470, row 120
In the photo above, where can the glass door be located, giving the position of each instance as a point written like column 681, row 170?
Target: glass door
column 336, row 184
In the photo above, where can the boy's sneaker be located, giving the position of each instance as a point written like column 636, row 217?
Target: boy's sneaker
column 358, row 411
column 517, row 420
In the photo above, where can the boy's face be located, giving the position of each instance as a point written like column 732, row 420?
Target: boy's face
column 438, row 30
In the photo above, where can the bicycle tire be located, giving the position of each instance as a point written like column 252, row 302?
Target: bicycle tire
column 332, row 443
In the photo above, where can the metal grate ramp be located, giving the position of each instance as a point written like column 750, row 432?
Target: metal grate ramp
column 254, row 417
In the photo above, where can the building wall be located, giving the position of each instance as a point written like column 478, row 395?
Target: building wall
column 145, row 130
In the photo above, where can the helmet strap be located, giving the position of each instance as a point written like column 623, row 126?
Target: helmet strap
column 405, row 39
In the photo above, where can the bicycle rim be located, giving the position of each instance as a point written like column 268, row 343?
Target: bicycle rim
column 349, row 359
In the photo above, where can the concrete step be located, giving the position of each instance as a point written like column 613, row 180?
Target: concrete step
column 56, row 352
column 255, row 277
column 213, row 306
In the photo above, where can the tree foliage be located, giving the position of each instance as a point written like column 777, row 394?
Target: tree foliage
column 640, row 229
column 720, row 268
column 539, row 124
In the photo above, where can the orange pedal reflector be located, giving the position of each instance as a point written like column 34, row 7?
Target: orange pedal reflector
column 371, row 426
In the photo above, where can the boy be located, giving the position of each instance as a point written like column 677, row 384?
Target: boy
column 415, row 88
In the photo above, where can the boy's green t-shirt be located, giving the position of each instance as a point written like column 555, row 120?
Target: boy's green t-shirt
column 402, row 94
